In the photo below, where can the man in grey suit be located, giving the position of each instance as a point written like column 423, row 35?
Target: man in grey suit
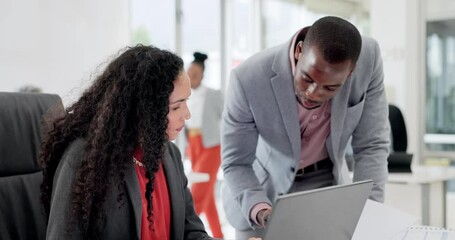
column 289, row 113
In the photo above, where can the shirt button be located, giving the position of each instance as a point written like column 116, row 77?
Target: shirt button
column 315, row 117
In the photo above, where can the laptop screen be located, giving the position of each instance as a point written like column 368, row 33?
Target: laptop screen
column 325, row 213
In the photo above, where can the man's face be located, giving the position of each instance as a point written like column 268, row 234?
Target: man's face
column 315, row 80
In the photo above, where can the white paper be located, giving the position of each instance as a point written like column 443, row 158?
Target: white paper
column 435, row 235
column 381, row 222
column 450, row 235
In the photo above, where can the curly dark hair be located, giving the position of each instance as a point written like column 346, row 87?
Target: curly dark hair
column 127, row 105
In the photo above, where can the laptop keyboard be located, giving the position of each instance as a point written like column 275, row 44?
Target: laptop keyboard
column 426, row 233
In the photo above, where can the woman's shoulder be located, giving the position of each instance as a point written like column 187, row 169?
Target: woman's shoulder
column 212, row 90
column 74, row 152
column 76, row 146
column 214, row 95
column 172, row 149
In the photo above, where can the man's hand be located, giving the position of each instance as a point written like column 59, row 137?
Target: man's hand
column 263, row 216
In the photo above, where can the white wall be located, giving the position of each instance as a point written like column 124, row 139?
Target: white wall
column 397, row 26
column 439, row 9
column 56, row 45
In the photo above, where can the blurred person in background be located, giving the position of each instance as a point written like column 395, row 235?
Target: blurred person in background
column 203, row 134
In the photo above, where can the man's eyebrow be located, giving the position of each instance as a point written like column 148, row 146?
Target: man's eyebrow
column 308, row 76
column 334, row 85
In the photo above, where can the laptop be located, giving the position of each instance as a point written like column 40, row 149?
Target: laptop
column 329, row 213
column 399, row 162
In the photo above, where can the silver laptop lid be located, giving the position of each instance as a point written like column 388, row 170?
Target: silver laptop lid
column 329, row 213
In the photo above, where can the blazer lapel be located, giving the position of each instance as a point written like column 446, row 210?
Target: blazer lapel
column 283, row 88
column 134, row 193
column 338, row 113
column 175, row 195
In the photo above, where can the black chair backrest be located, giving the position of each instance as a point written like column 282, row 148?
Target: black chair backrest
column 21, row 212
column 398, row 128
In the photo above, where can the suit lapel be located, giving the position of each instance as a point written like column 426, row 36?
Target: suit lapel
column 134, row 193
column 338, row 113
column 283, row 88
column 175, row 196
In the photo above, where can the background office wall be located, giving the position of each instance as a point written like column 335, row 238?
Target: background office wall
column 56, row 45
column 400, row 28
column 396, row 25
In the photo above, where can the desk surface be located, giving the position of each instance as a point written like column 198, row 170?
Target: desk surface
column 197, row 177
column 423, row 174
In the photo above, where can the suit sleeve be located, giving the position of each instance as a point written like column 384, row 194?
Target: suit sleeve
column 239, row 138
column 59, row 226
column 371, row 138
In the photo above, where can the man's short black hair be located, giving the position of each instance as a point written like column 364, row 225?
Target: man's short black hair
column 337, row 39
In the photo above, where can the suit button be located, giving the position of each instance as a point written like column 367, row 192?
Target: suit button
column 292, row 169
column 279, row 194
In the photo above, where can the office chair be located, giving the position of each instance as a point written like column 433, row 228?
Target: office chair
column 21, row 213
column 399, row 160
column 398, row 129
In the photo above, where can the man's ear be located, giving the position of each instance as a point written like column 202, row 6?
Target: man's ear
column 298, row 50
column 352, row 70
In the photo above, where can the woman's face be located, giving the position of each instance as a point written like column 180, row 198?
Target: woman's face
column 178, row 109
column 195, row 73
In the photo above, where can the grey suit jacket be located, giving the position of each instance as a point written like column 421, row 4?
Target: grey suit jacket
column 261, row 138
column 211, row 118
column 124, row 222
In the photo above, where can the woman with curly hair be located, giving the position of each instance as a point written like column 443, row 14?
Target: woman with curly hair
column 110, row 171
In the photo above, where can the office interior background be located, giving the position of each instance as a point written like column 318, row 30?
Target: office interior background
column 58, row 45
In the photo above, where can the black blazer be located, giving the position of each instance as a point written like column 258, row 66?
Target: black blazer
column 124, row 222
